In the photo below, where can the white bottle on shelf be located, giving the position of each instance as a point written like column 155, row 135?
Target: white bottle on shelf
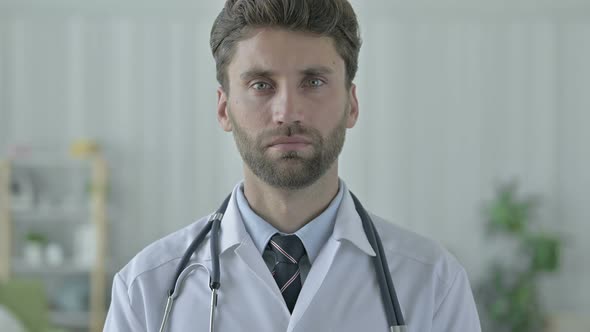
column 85, row 245
column 33, row 254
column 54, row 255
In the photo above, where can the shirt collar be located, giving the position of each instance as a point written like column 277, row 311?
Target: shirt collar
column 347, row 224
column 313, row 235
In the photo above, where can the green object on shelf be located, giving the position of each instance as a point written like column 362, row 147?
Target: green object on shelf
column 36, row 238
column 26, row 299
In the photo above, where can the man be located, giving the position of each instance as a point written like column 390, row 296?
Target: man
column 293, row 253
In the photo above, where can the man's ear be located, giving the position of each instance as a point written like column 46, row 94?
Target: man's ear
column 222, row 114
column 354, row 108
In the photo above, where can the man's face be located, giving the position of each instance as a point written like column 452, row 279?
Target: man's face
column 288, row 106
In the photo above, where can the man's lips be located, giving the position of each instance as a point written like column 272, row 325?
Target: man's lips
column 289, row 140
column 289, row 143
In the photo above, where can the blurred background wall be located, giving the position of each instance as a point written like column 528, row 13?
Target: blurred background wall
column 456, row 97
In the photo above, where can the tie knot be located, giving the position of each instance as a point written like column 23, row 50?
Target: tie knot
column 287, row 248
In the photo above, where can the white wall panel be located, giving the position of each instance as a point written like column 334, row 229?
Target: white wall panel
column 462, row 124
column 573, row 163
column 5, row 92
column 454, row 98
column 74, row 76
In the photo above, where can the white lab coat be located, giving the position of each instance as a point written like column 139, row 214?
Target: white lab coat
column 341, row 292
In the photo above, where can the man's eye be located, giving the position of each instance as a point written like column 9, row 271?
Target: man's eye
column 261, row 86
column 315, row 82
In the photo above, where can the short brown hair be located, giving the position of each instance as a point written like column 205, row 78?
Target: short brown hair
column 332, row 18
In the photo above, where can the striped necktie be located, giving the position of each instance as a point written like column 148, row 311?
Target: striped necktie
column 288, row 250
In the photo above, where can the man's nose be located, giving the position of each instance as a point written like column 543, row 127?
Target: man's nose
column 287, row 107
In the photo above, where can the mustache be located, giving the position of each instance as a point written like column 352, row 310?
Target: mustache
column 290, row 130
column 287, row 130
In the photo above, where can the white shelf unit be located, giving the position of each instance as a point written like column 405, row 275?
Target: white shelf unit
column 11, row 219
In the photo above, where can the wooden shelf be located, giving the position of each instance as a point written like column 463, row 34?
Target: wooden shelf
column 68, row 268
column 39, row 216
column 20, row 267
column 68, row 319
column 93, row 211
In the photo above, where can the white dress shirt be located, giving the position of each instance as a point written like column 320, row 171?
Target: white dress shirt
column 313, row 235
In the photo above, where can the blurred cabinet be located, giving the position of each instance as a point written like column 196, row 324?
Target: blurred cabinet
column 53, row 228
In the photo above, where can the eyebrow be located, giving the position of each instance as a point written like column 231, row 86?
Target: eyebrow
column 256, row 72
column 317, row 70
column 310, row 71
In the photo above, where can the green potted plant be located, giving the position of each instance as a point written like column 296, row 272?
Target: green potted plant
column 508, row 296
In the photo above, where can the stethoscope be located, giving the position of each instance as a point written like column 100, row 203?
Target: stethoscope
column 395, row 318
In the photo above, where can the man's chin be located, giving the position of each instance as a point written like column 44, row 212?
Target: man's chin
column 290, row 166
column 290, row 180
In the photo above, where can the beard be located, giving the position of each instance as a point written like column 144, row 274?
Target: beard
column 291, row 169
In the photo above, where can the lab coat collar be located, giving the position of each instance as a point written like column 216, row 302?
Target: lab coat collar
column 349, row 225
column 232, row 231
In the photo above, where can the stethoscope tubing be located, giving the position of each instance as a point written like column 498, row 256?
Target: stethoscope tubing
column 388, row 294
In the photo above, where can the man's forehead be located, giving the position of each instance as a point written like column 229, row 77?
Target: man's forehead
column 276, row 50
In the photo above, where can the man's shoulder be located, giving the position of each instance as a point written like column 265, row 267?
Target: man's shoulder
column 416, row 249
column 162, row 253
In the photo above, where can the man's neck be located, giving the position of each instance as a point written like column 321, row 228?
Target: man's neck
column 289, row 210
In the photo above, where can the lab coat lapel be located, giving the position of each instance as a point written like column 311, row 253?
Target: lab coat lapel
column 348, row 226
column 250, row 256
column 234, row 233
column 313, row 282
